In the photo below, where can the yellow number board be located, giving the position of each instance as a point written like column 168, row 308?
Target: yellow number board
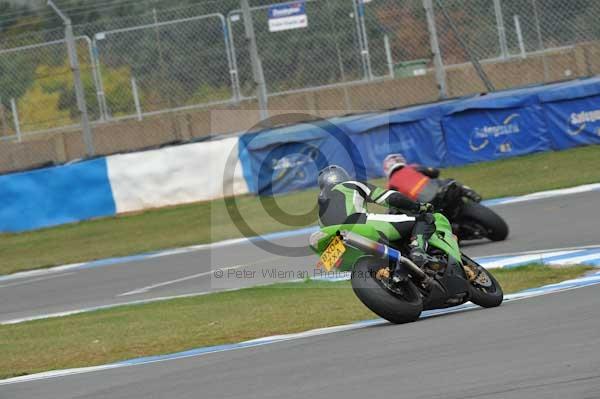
column 335, row 250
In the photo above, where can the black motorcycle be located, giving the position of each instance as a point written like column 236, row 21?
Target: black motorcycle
column 470, row 219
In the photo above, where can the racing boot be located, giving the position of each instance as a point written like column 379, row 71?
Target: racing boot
column 420, row 257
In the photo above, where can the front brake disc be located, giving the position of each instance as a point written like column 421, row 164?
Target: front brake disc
column 483, row 279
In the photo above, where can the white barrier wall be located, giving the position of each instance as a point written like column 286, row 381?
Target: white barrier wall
column 176, row 175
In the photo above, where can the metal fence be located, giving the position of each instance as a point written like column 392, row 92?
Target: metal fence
column 164, row 66
column 326, row 52
column 352, row 55
column 38, row 87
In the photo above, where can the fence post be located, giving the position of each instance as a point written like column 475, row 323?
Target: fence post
column 100, row 88
column 234, row 62
column 79, row 92
column 388, row 55
column 95, row 63
column 363, row 28
column 15, row 114
column 3, row 118
column 440, row 73
column 501, row 28
column 136, row 98
column 233, row 73
column 520, row 36
column 359, row 35
column 540, row 37
column 257, row 70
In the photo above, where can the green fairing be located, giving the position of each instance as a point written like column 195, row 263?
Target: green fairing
column 443, row 239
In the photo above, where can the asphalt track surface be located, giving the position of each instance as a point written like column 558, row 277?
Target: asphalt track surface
column 542, row 347
column 537, row 225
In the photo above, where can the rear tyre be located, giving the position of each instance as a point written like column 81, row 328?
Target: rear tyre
column 485, row 291
column 401, row 305
column 495, row 227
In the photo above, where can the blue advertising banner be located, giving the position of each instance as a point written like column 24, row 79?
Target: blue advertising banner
column 495, row 126
column 414, row 132
column 456, row 132
column 289, row 158
column 573, row 113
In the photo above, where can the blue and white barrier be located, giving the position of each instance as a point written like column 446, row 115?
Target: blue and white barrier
column 119, row 184
column 455, row 132
column 176, row 175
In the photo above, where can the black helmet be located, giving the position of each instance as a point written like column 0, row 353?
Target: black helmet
column 332, row 175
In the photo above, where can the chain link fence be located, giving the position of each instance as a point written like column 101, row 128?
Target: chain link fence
column 326, row 52
column 153, row 78
column 518, row 42
column 164, row 66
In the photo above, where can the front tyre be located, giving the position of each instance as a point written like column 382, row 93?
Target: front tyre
column 485, row 291
column 401, row 304
column 495, row 227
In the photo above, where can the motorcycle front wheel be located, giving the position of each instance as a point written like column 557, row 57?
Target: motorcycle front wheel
column 398, row 304
column 485, row 291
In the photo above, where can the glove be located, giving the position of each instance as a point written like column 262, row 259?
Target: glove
column 471, row 194
column 426, row 208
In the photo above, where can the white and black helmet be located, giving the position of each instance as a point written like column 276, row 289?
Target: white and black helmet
column 392, row 163
column 331, row 176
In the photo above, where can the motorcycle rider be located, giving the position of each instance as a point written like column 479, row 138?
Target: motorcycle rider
column 342, row 201
column 417, row 182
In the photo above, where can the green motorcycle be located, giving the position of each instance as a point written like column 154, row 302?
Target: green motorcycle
column 391, row 285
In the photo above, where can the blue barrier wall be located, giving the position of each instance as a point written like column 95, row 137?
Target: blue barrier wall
column 495, row 126
column 53, row 196
column 405, row 131
column 289, row 158
column 452, row 133
column 572, row 112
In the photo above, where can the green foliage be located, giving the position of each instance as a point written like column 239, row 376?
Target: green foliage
column 16, row 74
column 50, row 100
column 117, row 86
column 40, row 108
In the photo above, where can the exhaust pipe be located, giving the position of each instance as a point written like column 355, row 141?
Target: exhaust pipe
column 383, row 251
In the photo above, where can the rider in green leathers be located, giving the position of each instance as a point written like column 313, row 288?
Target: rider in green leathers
column 342, row 201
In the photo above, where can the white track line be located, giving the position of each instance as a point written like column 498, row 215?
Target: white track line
column 44, row 278
column 576, row 260
column 522, row 259
column 143, row 290
column 551, row 194
column 111, row 306
column 539, row 251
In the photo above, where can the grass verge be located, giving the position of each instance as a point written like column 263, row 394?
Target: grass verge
column 210, row 221
column 228, row 317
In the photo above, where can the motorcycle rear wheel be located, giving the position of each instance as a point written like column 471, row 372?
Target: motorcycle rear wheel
column 404, row 304
column 496, row 228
